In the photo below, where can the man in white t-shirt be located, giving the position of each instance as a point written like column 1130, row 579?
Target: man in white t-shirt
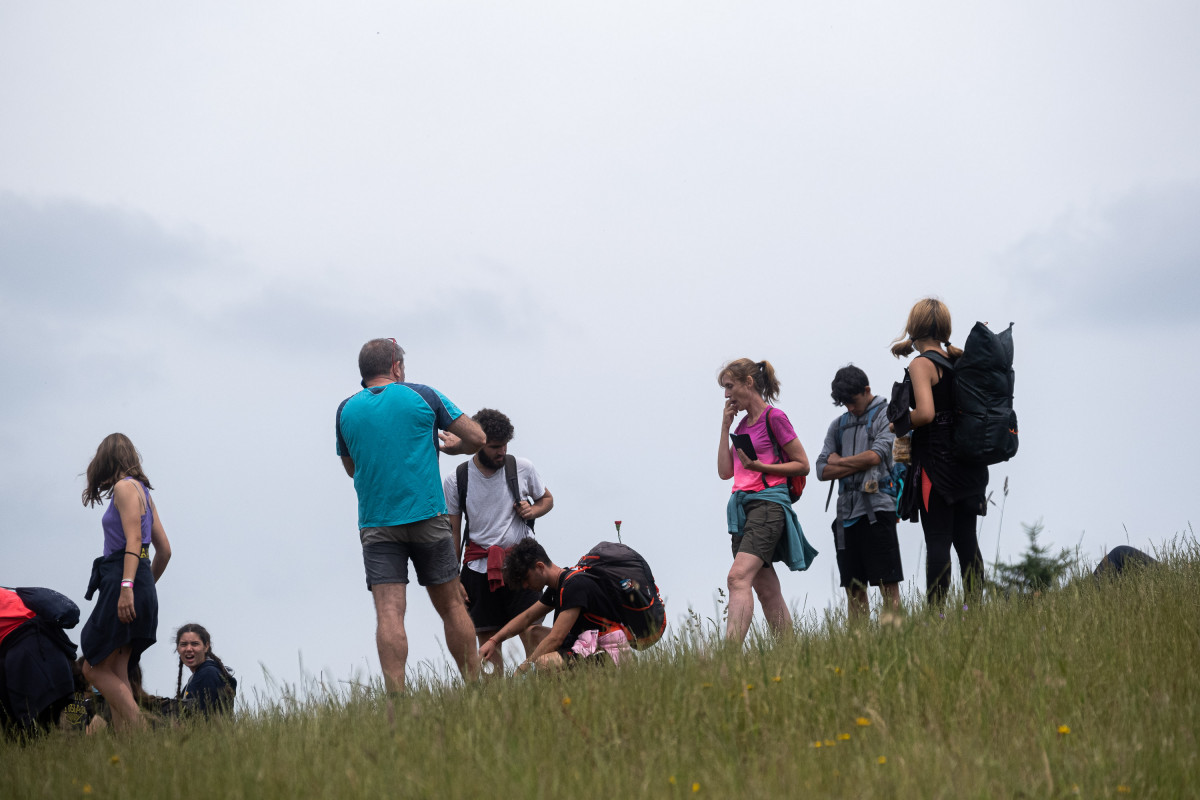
column 503, row 497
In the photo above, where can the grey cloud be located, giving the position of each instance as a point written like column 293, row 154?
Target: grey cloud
column 69, row 255
column 487, row 302
column 1133, row 263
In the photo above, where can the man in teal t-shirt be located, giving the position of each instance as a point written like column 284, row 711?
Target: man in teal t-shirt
column 388, row 437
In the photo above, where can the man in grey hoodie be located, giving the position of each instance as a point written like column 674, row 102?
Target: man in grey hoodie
column 858, row 454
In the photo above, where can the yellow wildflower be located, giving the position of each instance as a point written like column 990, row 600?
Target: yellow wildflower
column 566, row 701
column 817, row 744
column 695, row 787
column 845, row 737
column 115, row 760
column 87, row 788
column 1063, row 730
column 706, row 685
column 862, row 722
column 777, row 678
column 1122, row 788
column 749, row 686
column 881, row 760
column 830, row 743
column 671, row 780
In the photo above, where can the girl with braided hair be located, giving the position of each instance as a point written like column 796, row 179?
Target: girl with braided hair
column 212, row 687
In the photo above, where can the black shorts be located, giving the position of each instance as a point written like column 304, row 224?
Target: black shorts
column 490, row 611
column 872, row 554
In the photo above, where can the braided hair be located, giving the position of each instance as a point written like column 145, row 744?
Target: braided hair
column 928, row 319
column 206, row 640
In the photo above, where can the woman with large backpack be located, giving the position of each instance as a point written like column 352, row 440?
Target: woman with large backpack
column 945, row 493
column 212, row 687
column 760, row 512
column 124, row 621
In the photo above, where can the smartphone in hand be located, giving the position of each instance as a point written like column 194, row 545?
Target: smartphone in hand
column 742, row 441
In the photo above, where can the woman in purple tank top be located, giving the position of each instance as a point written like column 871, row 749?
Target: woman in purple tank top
column 124, row 620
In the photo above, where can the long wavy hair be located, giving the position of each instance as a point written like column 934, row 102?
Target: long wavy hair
column 115, row 458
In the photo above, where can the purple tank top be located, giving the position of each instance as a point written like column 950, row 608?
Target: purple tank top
column 114, row 534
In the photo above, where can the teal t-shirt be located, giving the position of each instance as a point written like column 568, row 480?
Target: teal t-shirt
column 391, row 433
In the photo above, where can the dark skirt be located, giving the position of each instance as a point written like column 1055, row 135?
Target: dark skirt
column 104, row 632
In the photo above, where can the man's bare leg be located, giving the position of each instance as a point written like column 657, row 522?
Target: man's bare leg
column 532, row 636
column 857, row 605
column 390, row 637
column 460, row 631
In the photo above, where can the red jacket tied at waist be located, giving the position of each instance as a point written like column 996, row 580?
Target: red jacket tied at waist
column 495, row 562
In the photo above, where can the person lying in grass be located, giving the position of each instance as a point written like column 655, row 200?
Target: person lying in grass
column 605, row 605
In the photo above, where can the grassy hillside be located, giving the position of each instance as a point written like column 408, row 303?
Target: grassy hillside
column 1088, row 691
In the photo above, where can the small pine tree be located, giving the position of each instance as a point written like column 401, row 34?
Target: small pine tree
column 1036, row 571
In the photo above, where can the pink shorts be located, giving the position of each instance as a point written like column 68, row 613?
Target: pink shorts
column 590, row 642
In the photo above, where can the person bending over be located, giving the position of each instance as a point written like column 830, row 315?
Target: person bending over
column 605, row 605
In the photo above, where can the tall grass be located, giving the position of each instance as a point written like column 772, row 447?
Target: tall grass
column 1089, row 690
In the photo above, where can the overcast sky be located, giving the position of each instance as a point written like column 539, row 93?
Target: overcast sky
column 574, row 213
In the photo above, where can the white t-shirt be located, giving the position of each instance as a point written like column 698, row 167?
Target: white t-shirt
column 490, row 510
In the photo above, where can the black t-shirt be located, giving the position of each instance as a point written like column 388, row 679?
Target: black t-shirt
column 582, row 590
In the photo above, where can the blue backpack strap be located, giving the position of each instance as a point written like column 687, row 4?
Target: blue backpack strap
column 843, row 421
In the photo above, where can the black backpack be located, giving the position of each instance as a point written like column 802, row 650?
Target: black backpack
column 985, row 424
column 510, row 477
column 627, row 576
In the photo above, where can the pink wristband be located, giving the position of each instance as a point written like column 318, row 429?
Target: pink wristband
column 125, row 584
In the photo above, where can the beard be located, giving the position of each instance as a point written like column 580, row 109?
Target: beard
column 486, row 461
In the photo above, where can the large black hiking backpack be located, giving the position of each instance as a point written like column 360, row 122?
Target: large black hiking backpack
column 627, row 576
column 985, row 424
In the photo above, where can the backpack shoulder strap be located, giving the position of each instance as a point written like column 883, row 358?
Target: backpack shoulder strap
column 843, row 422
column 510, row 476
column 514, row 487
column 875, row 406
column 938, row 359
column 774, row 443
column 461, row 477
